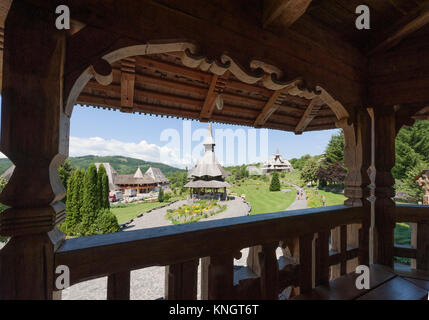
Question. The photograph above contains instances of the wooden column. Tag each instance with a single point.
(384, 205)
(217, 277)
(181, 281)
(118, 286)
(357, 159)
(34, 136)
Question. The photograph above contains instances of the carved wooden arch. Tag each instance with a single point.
(270, 76)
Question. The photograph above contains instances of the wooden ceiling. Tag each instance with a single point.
(160, 84)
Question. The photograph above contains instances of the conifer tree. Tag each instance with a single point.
(275, 182)
(104, 183)
(161, 195)
(77, 199)
(71, 188)
(91, 201)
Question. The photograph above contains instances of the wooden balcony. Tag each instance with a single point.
(320, 246)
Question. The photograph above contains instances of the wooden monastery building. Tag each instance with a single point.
(277, 163)
(151, 180)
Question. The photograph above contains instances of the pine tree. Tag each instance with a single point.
(77, 200)
(160, 195)
(91, 201)
(275, 182)
(104, 182)
(67, 226)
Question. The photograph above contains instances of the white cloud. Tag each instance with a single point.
(142, 150)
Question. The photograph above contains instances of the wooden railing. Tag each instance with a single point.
(312, 240)
(418, 251)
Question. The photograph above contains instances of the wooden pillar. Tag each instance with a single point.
(385, 133)
(34, 136)
(357, 159)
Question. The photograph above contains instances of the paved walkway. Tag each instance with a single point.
(148, 283)
(297, 204)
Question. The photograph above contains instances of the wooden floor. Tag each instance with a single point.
(385, 284)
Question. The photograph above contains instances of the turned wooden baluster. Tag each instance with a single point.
(181, 280)
(34, 135)
(118, 286)
(322, 258)
(217, 277)
(306, 260)
(269, 271)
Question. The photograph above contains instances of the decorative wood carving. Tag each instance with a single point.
(128, 76)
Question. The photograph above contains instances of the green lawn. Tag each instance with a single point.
(261, 199)
(131, 210)
(315, 200)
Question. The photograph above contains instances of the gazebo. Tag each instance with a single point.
(291, 65)
(208, 175)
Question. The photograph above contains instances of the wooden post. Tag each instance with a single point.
(34, 136)
(423, 245)
(385, 133)
(181, 281)
(217, 277)
(118, 286)
(357, 158)
(269, 271)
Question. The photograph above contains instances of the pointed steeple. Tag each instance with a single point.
(277, 152)
(209, 141)
(138, 173)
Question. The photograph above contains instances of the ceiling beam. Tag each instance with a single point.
(128, 77)
(270, 107)
(412, 22)
(288, 11)
(217, 85)
(309, 114)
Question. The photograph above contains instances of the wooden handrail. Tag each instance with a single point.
(411, 213)
(104, 255)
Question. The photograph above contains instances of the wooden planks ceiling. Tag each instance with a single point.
(163, 86)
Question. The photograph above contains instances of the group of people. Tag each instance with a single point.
(300, 194)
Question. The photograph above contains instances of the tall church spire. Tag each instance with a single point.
(209, 141)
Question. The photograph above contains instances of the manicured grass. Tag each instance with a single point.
(131, 210)
(261, 199)
(402, 235)
(332, 199)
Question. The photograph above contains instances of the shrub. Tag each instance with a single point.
(106, 222)
(161, 195)
(275, 182)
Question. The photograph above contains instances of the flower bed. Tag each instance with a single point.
(191, 213)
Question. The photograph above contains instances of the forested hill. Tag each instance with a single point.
(123, 165)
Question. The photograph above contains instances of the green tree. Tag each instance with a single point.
(106, 222)
(335, 149)
(309, 171)
(104, 187)
(91, 201)
(412, 148)
(275, 182)
(161, 195)
(65, 171)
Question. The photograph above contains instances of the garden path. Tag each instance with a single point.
(297, 204)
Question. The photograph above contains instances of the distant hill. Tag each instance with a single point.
(123, 165)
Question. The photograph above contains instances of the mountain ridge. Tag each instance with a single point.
(122, 165)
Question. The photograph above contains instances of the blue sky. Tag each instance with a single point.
(115, 129)
(178, 142)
